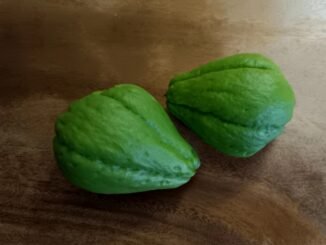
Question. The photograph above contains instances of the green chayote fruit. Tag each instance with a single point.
(121, 140)
(237, 104)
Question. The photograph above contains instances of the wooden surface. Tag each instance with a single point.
(55, 51)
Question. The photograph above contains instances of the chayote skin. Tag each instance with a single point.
(121, 140)
(237, 104)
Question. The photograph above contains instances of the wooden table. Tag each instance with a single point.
(55, 51)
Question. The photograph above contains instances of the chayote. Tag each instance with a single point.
(121, 140)
(237, 104)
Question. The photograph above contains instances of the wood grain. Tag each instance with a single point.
(55, 51)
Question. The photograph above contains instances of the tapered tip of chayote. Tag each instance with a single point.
(237, 104)
(121, 140)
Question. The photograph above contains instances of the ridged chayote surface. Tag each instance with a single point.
(121, 140)
(237, 104)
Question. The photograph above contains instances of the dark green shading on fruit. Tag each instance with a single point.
(237, 104)
(121, 141)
